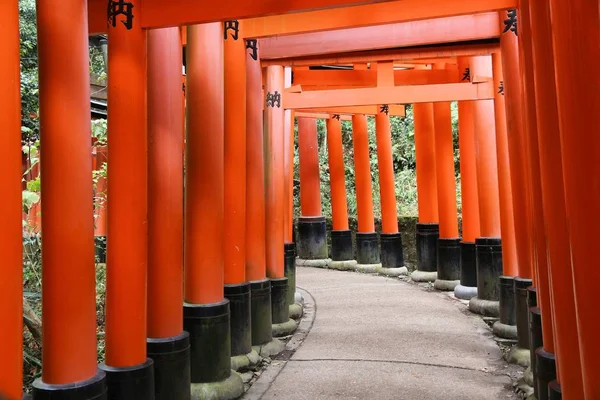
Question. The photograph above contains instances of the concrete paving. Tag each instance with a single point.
(381, 338)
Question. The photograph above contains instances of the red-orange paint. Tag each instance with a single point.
(507, 222)
(385, 161)
(204, 196)
(468, 168)
(485, 149)
(274, 174)
(362, 171)
(310, 181)
(337, 172)
(557, 230)
(533, 168)
(165, 184)
(444, 162)
(575, 33)
(68, 276)
(11, 280)
(235, 159)
(516, 148)
(289, 163)
(426, 163)
(255, 174)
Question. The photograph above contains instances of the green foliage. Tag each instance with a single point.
(100, 131)
(29, 71)
(403, 150)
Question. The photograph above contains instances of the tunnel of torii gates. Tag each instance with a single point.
(528, 121)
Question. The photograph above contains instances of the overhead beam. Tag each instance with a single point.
(368, 78)
(303, 114)
(389, 95)
(395, 110)
(368, 15)
(164, 13)
(415, 33)
(405, 54)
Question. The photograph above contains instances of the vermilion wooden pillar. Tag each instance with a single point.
(559, 255)
(367, 251)
(428, 226)
(391, 240)
(237, 290)
(575, 32)
(68, 276)
(275, 191)
(256, 273)
(506, 326)
(341, 235)
(470, 201)
(519, 183)
(312, 231)
(488, 246)
(127, 243)
(448, 251)
(288, 226)
(11, 276)
(545, 370)
(168, 345)
(206, 311)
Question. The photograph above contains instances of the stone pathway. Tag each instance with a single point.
(380, 338)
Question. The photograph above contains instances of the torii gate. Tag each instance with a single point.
(69, 320)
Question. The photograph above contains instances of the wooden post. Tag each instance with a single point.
(448, 257)
(575, 32)
(168, 345)
(206, 311)
(470, 201)
(428, 225)
(341, 235)
(366, 237)
(68, 275)
(275, 191)
(557, 231)
(237, 290)
(256, 272)
(11, 242)
(488, 246)
(312, 230)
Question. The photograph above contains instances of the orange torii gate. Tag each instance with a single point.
(68, 281)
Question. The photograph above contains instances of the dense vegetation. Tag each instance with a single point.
(403, 148)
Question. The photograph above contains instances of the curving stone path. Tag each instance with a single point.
(380, 338)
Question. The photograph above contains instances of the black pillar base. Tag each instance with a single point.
(546, 371)
(290, 271)
(427, 237)
(521, 311)
(260, 306)
(171, 358)
(448, 259)
(507, 300)
(239, 311)
(280, 311)
(489, 268)
(341, 246)
(312, 238)
(210, 340)
(468, 265)
(92, 389)
(127, 383)
(535, 342)
(391, 254)
(367, 248)
(554, 390)
(100, 246)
